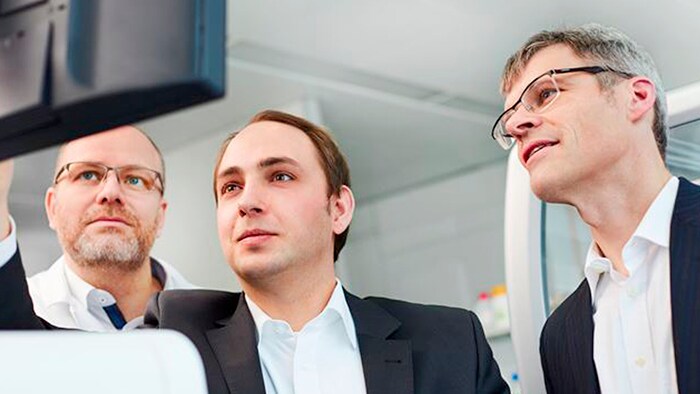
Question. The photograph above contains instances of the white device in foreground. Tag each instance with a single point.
(142, 361)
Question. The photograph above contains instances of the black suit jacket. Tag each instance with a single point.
(405, 348)
(566, 344)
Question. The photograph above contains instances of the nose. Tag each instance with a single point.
(250, 202)
(110, 190)
(521, 122)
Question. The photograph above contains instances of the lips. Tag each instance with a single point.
(108, 219)
(532, 148)
(253, 233)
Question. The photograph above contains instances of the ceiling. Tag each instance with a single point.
(409, 87)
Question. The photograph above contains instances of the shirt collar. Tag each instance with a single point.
(8, 246)
(80, 289)
(656, 224)
(336, 304)
(159, 272)
(655, 227)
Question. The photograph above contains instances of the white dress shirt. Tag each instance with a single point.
(324, 357)
(64, 299)
(633, 337)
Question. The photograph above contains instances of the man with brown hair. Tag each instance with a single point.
(284, 205)
(587, 111)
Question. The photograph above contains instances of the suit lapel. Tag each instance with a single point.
(235, 347)
(578, 323)
(387, 363)
(585, 346)
(685, 285)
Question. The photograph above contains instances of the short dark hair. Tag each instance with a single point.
(334, 164)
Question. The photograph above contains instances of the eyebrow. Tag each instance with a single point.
(271, 161)
(265, 163)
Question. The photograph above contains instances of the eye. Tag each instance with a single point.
(134, 181)
(540, 94)
(545, 93)
(87, 176)
(282, 177)
(230, 187)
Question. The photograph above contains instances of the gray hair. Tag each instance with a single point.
(608, 47)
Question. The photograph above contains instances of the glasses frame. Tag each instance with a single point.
(158, 186)
(587, 69)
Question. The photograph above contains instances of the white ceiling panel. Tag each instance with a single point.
(456, 46)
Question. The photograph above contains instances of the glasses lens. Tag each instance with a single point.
(541, 94)
(504, 139)
(86, 173)
(499, 132)
(138, 178)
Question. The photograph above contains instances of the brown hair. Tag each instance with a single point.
(335, 166)
(607, 47)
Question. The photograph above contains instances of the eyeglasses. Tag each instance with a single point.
(539, 95)
(131, 177)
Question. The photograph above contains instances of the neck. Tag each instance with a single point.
(293, 296)
(131, 289)
(614, 207)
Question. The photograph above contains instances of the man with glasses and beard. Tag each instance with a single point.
(106, 205)
(587, 111)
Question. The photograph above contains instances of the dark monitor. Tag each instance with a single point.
(69, 68)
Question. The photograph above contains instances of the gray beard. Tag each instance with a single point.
(109, 251)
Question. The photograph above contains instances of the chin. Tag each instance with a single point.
(547, 189)
(255, 268)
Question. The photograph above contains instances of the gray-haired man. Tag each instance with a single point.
(587, 111)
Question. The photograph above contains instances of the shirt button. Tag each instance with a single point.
(640, 361)
(631, 292)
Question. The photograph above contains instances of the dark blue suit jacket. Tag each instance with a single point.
(405, 348)
(566, 344)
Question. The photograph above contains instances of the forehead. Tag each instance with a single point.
(549, 58)
(263, 140)
(117, 147)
